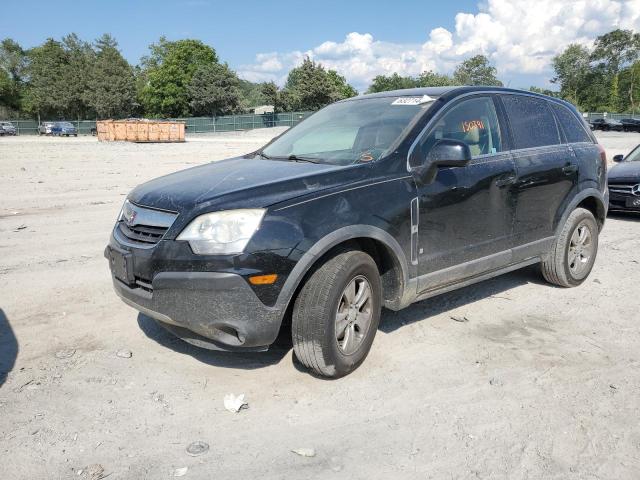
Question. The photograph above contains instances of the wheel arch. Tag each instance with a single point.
(591, 199)
(383, 248)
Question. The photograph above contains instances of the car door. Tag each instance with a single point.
(465, 214)
(546, 168)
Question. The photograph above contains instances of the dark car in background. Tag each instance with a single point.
(606, 125)
(624, 182)
(377, 201)
(630, 124)
(65, 129)
(8, 128)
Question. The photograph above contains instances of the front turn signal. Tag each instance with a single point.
(263, 279)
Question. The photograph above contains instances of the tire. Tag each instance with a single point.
(565, 267)
(322, 300)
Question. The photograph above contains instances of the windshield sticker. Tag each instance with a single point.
(472, 125)
(412, 100)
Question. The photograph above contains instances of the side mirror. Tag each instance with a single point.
(449, 153)
(618, 158)
(444, 153)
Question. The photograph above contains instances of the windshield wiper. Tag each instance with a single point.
(291, 158)
(295, 158)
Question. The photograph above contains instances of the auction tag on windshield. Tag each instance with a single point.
(412, 100)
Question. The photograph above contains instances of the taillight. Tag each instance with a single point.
(603, 157)
(602, 169)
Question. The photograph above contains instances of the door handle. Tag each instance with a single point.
(569, 169)
(504, 181)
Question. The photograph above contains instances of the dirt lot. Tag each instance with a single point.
(540, 382)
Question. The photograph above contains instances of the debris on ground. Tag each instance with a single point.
(20, 227)
(305, 452)
(458, 318)
(197, 448)
(65, 353)
(496, 382)
(92, 472)
(180, 472)
(124, 353)
(234, 404)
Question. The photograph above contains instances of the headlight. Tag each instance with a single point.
(222, 233)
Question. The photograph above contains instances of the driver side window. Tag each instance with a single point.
(474, 122)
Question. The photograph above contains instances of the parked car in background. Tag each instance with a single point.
(8, 128)
(379, 200)
(624, 182)
(606, 124)
(45, 128)
(630, 124)
(65, 129)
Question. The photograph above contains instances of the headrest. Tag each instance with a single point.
(472, 136)
(387, 134)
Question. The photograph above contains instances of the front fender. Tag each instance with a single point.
(341, 235)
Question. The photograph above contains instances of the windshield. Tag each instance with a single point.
(634, 156)
(66, 124)
(355, 131)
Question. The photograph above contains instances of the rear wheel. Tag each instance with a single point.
(574, 252)
(336, 314)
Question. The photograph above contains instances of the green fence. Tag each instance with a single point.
(227, 123)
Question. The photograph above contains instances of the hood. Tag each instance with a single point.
(238, 183)
(625, 171)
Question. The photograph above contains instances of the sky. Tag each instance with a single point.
(262, 40)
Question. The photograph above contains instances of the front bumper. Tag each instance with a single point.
(620, 202)
(215, 310)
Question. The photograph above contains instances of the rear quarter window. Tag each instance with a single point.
(531, 120)
(573, 128)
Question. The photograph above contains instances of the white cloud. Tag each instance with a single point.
(519, 36)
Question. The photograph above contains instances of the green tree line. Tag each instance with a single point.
(72, 78)
(604, 77)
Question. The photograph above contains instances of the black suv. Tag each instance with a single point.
(376, 201)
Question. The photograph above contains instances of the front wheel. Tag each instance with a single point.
(336, 314)
(574, 252)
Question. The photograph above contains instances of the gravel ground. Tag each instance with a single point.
(540, 382)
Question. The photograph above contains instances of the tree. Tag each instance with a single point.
(168, 72)
(343, 89)
(311, 87)
(76, 70)
(476, 71)
(545, 91)
(616, 49)
(384, 83)
(272, 95)
(46, 72)
(111, 86)
(572, 68)
(430, 78)
(13, 62)
(214, 90)
(251, 94)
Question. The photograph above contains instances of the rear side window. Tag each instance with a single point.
(572, 127)
(532, 122)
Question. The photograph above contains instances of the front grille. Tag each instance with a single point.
(145, 234)
(622, 188)
(142, 227)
